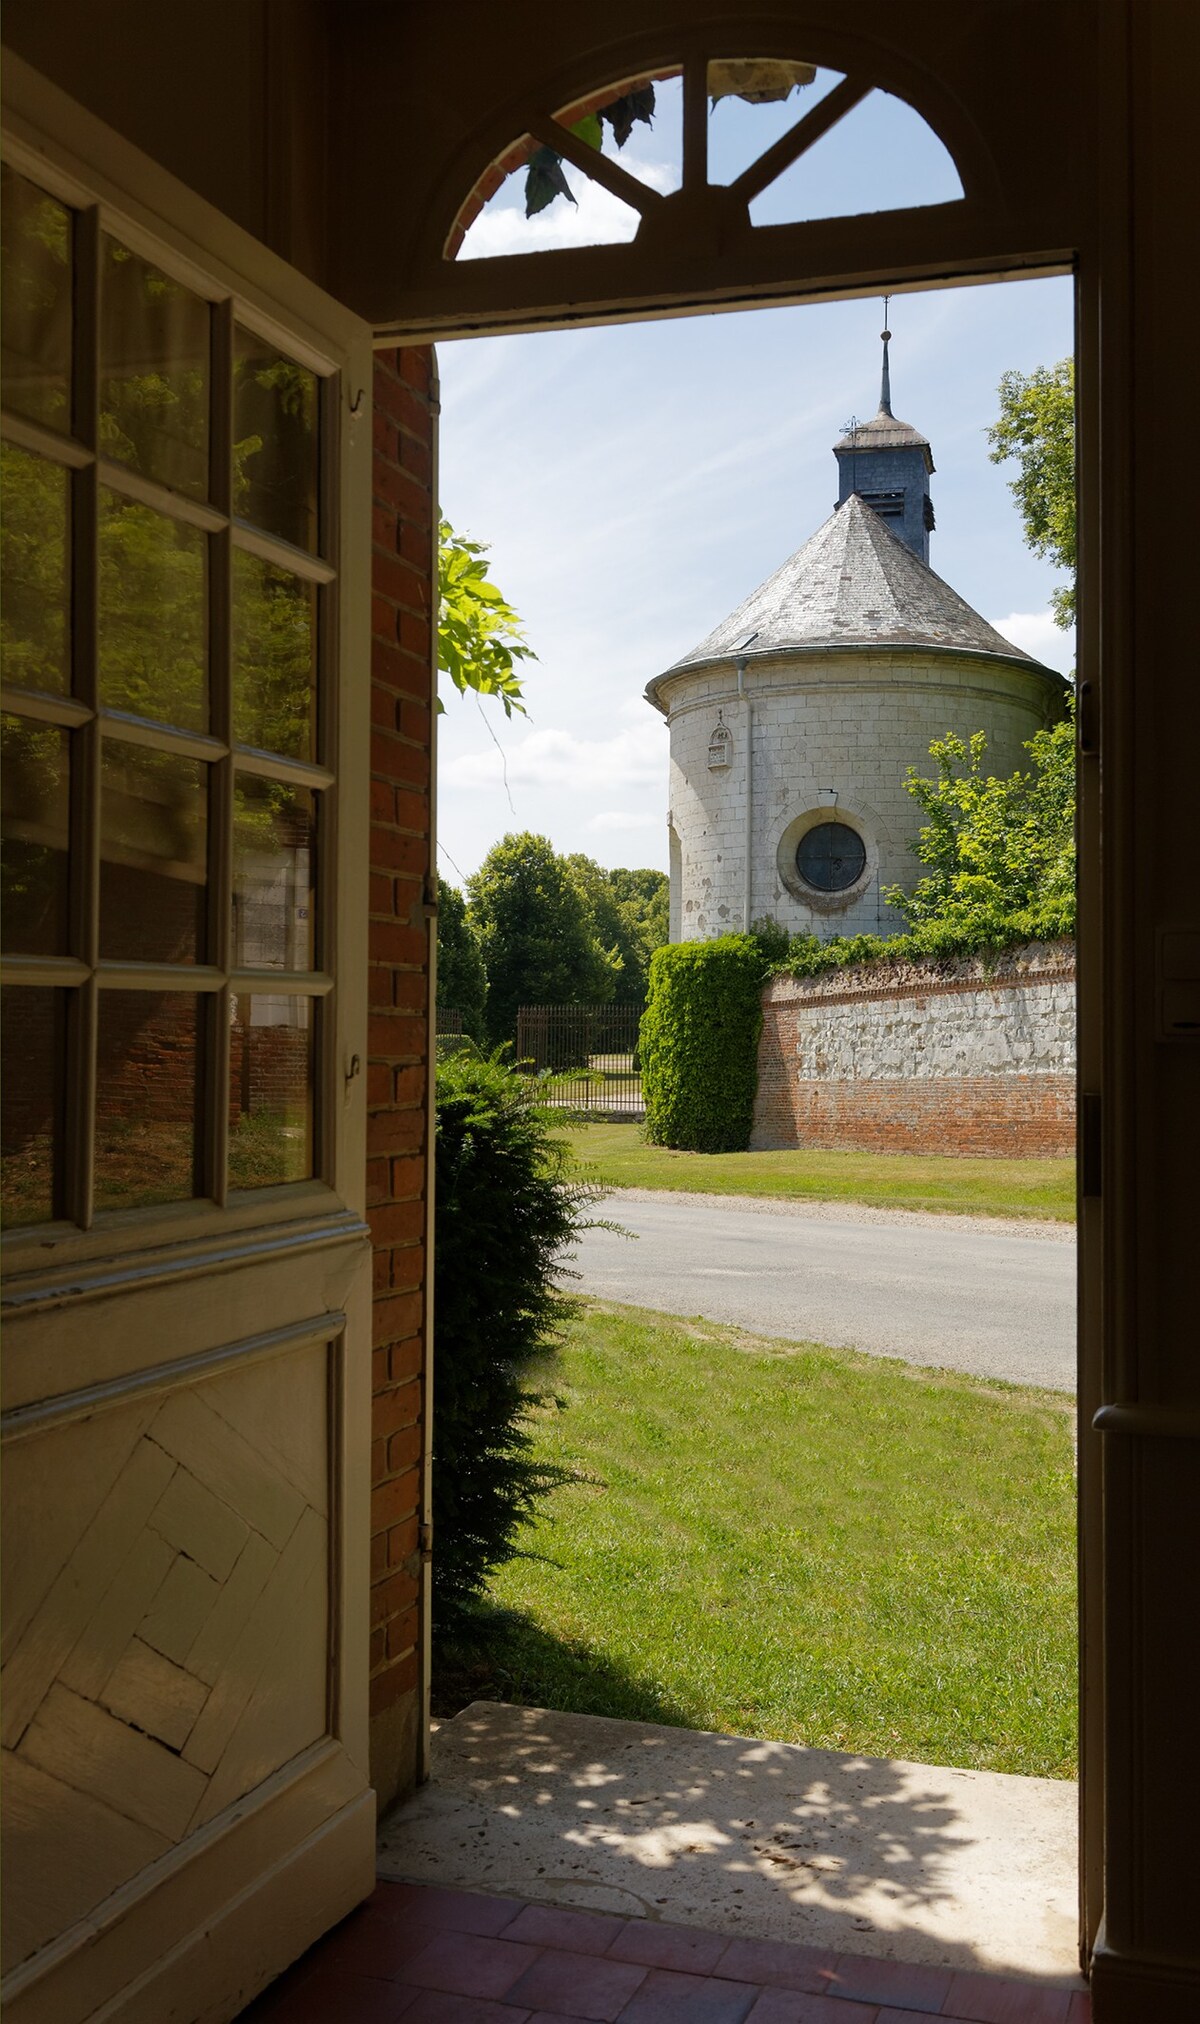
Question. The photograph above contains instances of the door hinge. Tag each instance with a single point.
(1087, 719)
(425, 1541)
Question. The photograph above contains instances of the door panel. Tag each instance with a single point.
(186, 1409)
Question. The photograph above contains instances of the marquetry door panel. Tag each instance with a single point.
(186, 1383)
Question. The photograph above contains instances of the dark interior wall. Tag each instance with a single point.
(213, 93)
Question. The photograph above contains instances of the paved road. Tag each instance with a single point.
(946, 1291)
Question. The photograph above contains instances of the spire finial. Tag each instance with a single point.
(885, 388)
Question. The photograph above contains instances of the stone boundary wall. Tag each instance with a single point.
(957, 1057)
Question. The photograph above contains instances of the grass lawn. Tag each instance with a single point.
(794, 1542)
(617, 1156)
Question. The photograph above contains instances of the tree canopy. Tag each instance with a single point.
(461, 977)
(1037, 427)
(539, 944)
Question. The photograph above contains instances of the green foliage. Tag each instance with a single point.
(627, 914)
(1037, 427)
(479, 634)
(505, 1210)
(1000, 852)
(539, 947)
(1000, 855)
(545, 177)
(461, 977)
(699, 1043)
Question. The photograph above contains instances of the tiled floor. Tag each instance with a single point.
(458, 1957)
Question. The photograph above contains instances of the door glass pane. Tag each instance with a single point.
(154, 371)
(273, 835)
(146, 1099)
(274, 658)
(153, 850)
(34, 800)
(153, 628)
(35, 286)
(34, 558)
(271, 1090)
(31, 1026)
(274, 441)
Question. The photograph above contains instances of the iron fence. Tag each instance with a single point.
(586, 1056)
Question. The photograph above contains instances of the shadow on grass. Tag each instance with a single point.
(493, 1654)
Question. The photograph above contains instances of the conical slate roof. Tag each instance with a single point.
(884, 432)
(853, 584)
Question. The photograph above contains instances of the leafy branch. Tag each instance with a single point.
(480, 639)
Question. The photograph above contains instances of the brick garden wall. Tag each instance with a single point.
(923, 1058)
(398, 1040)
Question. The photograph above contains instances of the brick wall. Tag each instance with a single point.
(398, 1040)
(923, 1058)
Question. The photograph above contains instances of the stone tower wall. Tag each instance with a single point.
(853, 721)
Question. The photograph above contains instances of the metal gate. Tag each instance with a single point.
(585, 1056)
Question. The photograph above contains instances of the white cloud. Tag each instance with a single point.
(624, 818)
(558, 759)
(596, 218)
(1036, 633)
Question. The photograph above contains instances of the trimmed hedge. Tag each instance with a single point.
(506, 1210)
(699, 1043)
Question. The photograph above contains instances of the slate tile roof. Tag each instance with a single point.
(852, 584)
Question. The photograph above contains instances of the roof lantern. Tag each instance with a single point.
(888, 464)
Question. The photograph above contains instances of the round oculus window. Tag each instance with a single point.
(831, 857)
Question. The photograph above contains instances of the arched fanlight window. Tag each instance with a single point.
(720, 746)
(691, 152)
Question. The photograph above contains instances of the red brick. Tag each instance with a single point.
(416, 457)
(413, 632)
(394, 1596)
(376, 1649)
(381, 1181)
(385, 708)
(402, 1538)
(401, 582)
(378, 1555)
(407, 1267)
(412, 364)
(397, 1222)
(393, 1501)
(383, 806)
(405, 1359)
(412, 810)
(392, 852)
(409, 1083)
(394, 1684)
(403, 1449)
(415, 544)
(384, 527)
(407, 1178)
(410, 993)
(381, 1272)
(414, 721)
(400, 1407)
(383, 624)
(392, 1037)
(396, 1317)
(401, 1634)
(396, 942)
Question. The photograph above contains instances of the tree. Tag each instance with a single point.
(1037, 427)
(479, 634)
(461, 977)
(538, 944)
(1000, 852)
(628, 913)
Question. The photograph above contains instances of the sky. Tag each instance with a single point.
(635, 483)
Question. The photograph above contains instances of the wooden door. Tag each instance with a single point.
(186, 1382)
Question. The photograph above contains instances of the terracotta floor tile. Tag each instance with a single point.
(467, 1964)
(578, 1985)
(904, 1985)
(799, 2006)
(684, 1948)
(370, 1942)
(572, 1932)
(668, 1998)
(333, 1996)
(778, 1965)
(458, 1911)
(436, 2006)
(992, 1999)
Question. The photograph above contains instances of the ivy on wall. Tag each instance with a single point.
(699, 1043)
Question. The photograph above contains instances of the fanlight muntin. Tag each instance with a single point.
(689, 159)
